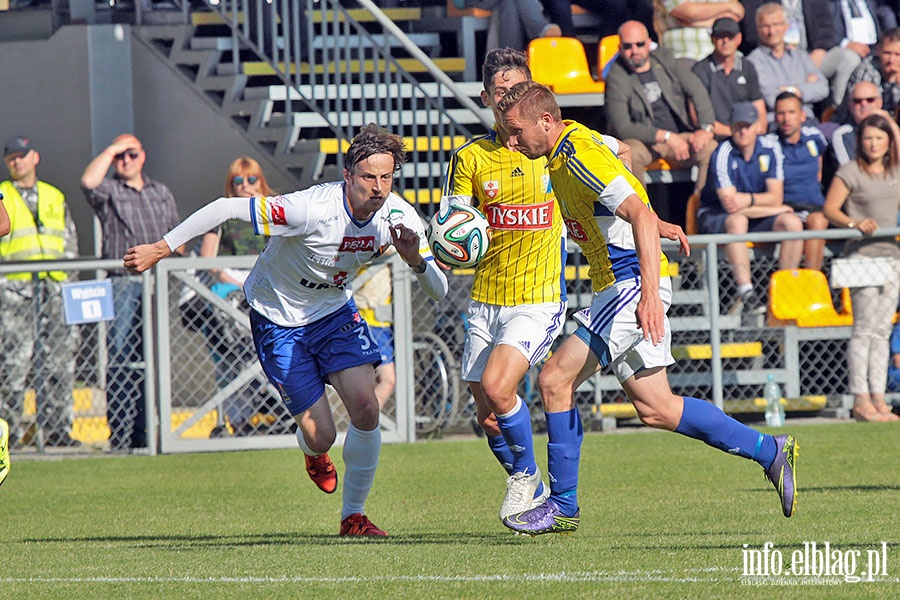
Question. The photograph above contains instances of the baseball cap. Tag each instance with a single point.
(20, 143)
(725, 25)
(744, 112)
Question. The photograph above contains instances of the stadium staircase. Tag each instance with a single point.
(302, 104)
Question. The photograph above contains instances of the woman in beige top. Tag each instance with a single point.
(865, 195)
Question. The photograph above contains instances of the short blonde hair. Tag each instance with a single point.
(535, 99)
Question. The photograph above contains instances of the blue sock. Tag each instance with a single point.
(564, 432)
(501, 452)
(701, 420)
(516, 429)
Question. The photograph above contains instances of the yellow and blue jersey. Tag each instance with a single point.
(524, 261)
(590, 183)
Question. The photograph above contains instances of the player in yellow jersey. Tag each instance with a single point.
(606, 211)
(518, 304)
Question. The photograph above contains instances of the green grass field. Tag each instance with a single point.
(662, 517)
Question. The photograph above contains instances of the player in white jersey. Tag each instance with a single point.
(306, 328)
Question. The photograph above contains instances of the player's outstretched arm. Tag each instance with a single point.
(140, 258)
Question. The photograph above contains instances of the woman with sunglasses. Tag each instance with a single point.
(864, 195)
(230, 353)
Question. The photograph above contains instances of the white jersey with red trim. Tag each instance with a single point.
(316, 250)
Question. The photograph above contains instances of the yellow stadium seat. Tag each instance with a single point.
(804, 297)
(690, 217)
(561, 64)
(606, 51)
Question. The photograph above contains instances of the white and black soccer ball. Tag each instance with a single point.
(458, 235)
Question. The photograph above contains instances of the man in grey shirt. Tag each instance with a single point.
(782, 68)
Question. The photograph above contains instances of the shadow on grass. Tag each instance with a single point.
(500, 538)
(838, 488)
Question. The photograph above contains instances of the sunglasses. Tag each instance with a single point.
(132, 154)
(629, 46)
(866, 100)
(238, 180)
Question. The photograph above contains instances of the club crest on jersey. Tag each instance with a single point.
(278, 217)
(491, 189)
(575, 230)
(545, 184)
(357, 244)
(811, 146)
(764, 162)
(522, 217)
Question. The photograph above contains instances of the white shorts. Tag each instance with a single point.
(611, 325)
(530, 328)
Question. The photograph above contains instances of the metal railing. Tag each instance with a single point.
(184, 401)
(334, 66)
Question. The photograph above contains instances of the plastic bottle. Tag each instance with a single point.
(774, 409)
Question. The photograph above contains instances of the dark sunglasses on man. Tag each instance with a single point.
(630, 45)
(132, 154)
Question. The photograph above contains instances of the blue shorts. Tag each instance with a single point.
(714, 222)
(384, 337)
(297, 360)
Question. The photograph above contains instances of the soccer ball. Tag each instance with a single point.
(458, 236)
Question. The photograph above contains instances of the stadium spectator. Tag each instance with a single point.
(4, 426)
(729, 77)
(372, 292)
(745, 193)
(863, 196)
(783, 68)
(513, 23)
(305, 324)
(612, 13)
(865, 99)
(859, 27)
(882, 69)
(132, 209)
(626, 325)
(683, 25)
(802, 146)
(36, 341)
(810, 27)
(229, 345)
(650, 102)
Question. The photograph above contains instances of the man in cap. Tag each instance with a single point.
(729, 77)
(745, 193)
(34, 334)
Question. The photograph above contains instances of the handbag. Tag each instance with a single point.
(863, 271)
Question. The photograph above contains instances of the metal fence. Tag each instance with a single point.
(188, 378)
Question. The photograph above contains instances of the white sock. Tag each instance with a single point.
(743, 289)
(301, 441)
(361, 450)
